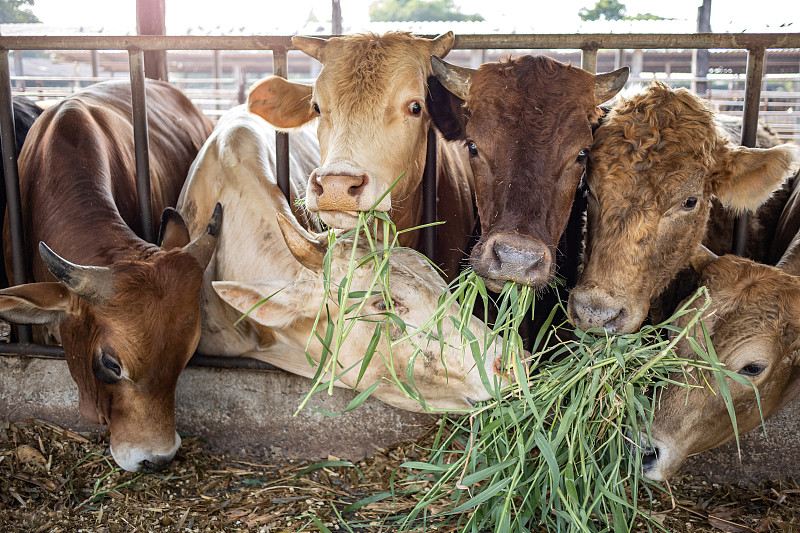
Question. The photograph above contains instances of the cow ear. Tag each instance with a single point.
(447, 111)
(274, 304)
(282, 103)
(745, 177)
(34, 303)
(173, 232)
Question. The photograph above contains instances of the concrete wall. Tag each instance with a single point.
(238, 411)
(252, 412)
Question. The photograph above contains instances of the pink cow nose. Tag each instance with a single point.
(339, 192)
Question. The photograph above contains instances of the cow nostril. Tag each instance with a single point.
(154, 466)
(649, 457)
(358, 184)
(316, 185)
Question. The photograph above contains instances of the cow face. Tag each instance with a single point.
(127, 331)
(446, 378)
(657, 161)
(373, 122)
(754, 326)
(527, 124)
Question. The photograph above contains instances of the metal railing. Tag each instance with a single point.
(589, 44)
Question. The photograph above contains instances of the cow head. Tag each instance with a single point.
(373, 121)
(657, 161)
(127, 330)
(527, 124)
(446, 378)
(754, 325)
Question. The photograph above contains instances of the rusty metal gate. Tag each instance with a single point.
(755, 44)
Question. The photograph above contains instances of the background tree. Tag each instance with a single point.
(613, 10)
(417, 10)
(11, 11)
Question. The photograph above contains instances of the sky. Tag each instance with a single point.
(290, 16)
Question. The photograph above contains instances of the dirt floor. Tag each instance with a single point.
(54, 480)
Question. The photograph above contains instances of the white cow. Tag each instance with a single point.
(236, 168)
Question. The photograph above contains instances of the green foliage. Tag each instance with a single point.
(417, 10)
(613, 10)
(11, 11)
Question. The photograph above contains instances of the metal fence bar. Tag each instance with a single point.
(477, 41)
(752, 90)
(280, 66)
(429, 198)
(9, 144)
(141, 143)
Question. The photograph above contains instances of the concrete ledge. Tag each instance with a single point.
(252, 412)
(238, 411)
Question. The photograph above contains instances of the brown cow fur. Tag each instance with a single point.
(657, 162)
(754, 325)
(78, 192)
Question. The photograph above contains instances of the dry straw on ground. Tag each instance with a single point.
(54, 480)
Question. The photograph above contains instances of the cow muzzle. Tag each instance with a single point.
(134, 457)
(511, 257)
(339, 191)
(597, 308)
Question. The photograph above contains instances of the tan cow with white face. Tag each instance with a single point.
(373, 119)
(657, 161)
(259, 255)
(754, 325)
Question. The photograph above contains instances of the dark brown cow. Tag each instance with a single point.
(657, 161)
(527, 123)
(373, 119)
(754, 325)
(126, 311)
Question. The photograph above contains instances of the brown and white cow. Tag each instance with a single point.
(126, 311)
(754, 325)
(370, 100)
(527, 123)
(260, 256)
(657, 161)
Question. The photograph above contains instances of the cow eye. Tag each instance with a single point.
(473, 150)
(689, 204)
(414, 108)
(752, 370)
(380, 305)
(316, 108)
(107, 368)
(583, 155)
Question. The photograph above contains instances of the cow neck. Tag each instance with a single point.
(407, 213)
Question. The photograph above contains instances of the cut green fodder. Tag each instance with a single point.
(557, 452)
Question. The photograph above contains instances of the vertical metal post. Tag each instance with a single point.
(9, 144)
(429, 198)
(217, 76)
(589, 59)
(752, 95)
(95, 64)
(280, 68)
(19, 70)
(141, 143)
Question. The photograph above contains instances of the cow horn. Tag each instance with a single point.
(309, 251)
(455, 79)
(202, 247)
(92, 283)
(441, 45)
(702, 258)
(310, 45)
(609, 84)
